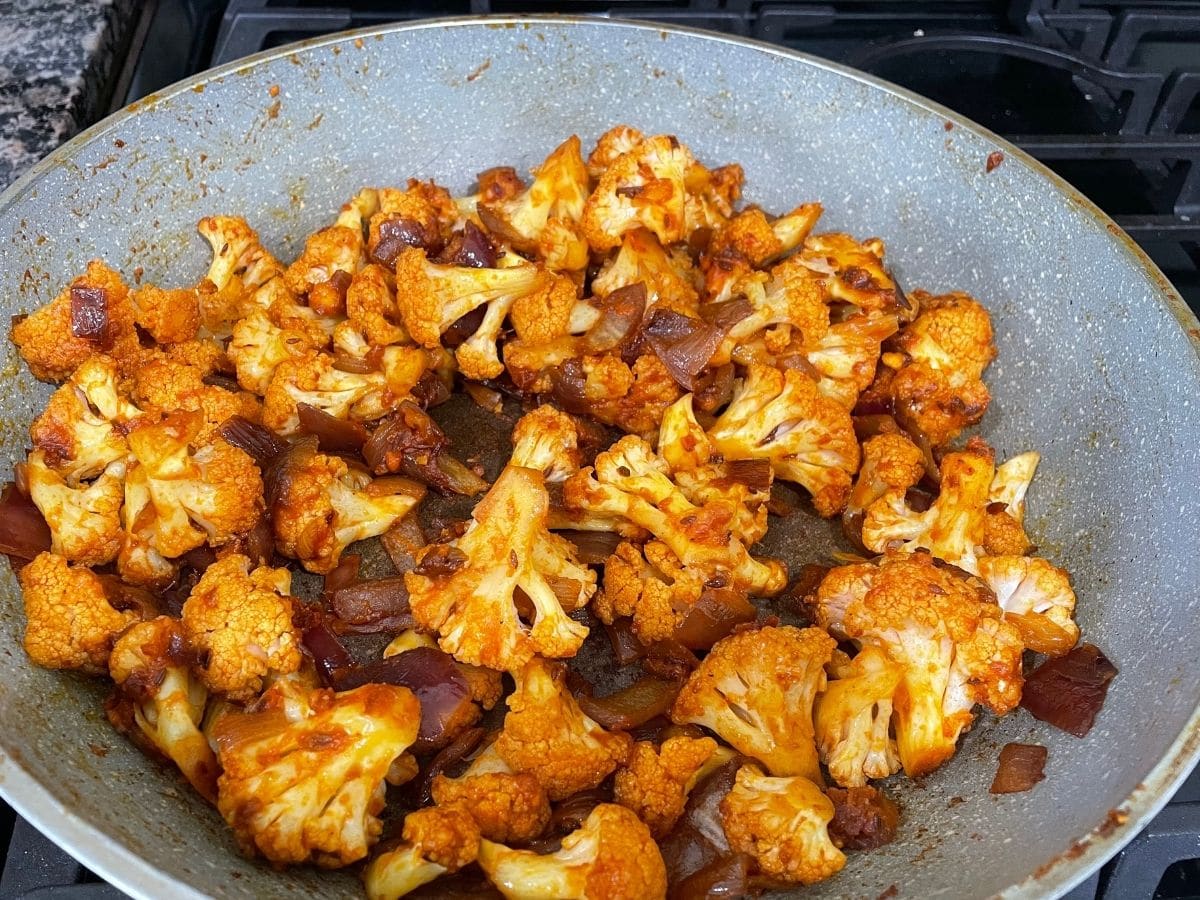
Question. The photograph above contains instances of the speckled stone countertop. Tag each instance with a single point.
(57, 62)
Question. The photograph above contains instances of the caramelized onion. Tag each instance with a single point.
(409, 442)
(863, 818)
(397, 232)
(754, 473)
(485, 398)
(874, 424)
(625, 645)
(568, 386)
(23, 532)
(225, 382)
(620, 315)
(683, 344)
(447, 759)
(1069, 691)
(123, 596)
(592, 548)
(379, 604)
(463, 328)
(726, 314)
(402, 541)
(431, 675)
(698, 838)
(430, 391)
(344, 574)
(260, 442)
(726, 877)
(355, 365)
(713, 616)
(571, 813)
(1021, 767)
(714, 388)
(440, 561)
(475, 250)
(331, 432)
(669, 659)
(89, 316)
(633, 706)
(328, 653)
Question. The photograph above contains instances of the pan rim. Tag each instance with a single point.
(128, 872)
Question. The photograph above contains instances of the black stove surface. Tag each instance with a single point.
(1115, 110)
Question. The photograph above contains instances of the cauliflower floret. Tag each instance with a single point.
(651, 586)
(69, 623)
(611, 145)
(853, 272)
(547, 735)
(611, 856)
(338, 248)
(258, 346)
(165, 386)
(422, 215)
(890, 462)
(312, 378)
(756, 690)
(945, 632)
(92, 315)
(506, 547)
(854, 718)
(952, 529)
(433, 297)
(711, 194)
(169, 316)
(845, 358)
(149, 664)
(436, 841)
(320, 506)
(371, 306)
(305, 782)
(180, 493)
(631, 481)
(809, 439)
(1037, 597)
(550, 312)
(791, 297)
(240, 266)
(643, 188)
(656, 781)
(758, 241)
(547, 440)
(668, 276)
(937, 390)
(509, 807)
(783, 823)
(1003, 531)
(544, 218)
(84, 520)
(241, 621)
(81, 430)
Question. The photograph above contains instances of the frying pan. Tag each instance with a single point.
(1098, 369)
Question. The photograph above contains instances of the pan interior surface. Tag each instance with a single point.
(1094, 371)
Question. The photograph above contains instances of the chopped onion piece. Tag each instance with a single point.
(1068, 691)
(1021, 767)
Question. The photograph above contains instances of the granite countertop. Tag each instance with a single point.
(58, 61)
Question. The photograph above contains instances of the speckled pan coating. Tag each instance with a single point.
(1097, 370)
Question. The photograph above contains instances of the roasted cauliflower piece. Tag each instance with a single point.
(651, 586)
(547, 440)
(320, 506)
(547, 735)
(304, 781)
(808, 438)
(853, 272)
(163, 386)
(84, 520)
(168, 316)
(1037, 597)
(470, 600)
(710, 195)
(656, 781)
(240, 266)
(752, 237)
(756, 690)
(371, 307)
(667, 275)
(784, 824)
(945, 632)
(156, 688)
(257, 347)
(240, 620)
(340, 248)
(437, 840)
(421, 215)
(854, 717)
(69, 622)
(1004, 528)
(92, 315)
(790, 299)
(629, 480)
(614, 143)
(642, 188)
(844, 359)
(509, 807)
(890, 462)
(611, 856)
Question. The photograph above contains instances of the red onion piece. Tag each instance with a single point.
(713, 616)
(409, 442)
(714, 388)
(446, 760)
(379, 602)
(440, 561)
(123, 596)
(874, 424)
(89, 316)
(620, 314)
(397, 232)
(476, 250)
(463, 328)
(698, 838)
(430, 391)
(1021, 767)
(328, 653)
(571, 813)
(626, 647)
(726, 314)
(685, 345)
(331, 432)
(23, 531)
(344, 574)
(863, 818)
(355, 365)
(225, 382)
(670, 659)
(754, 473)
(633, 706)
(486, 398)
(261, 443)
(568, 387)
(726, 877)
(592, 548)
(1068, 691)
(403, 541)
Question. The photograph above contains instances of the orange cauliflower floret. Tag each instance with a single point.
(92, 315)
(547, 440)
(666, 274)
(651, 586)
(422, 215)
(371, 306)
(547, 735)
(845, 358)
(947, 635)
(642, 188)
(258, 346)
(656, 781)
(611, 856)
(630, 481)
(241, 621)
(166, 386)
(168, 316)
(149, 665)
(436, 841)
(84, 520)
(470, 600)
(614, 143)
(320, 506)
(1037, 597)
(1004, 531)
(854, 717)
(937, 390)
(69, 622)
(82, 429)
(432, 297)
(509, 807)
(338, 248)
(853, 272)
(751, 236)
(711, 194)
(789, 299)
(240, 266)
(548, 313)
(783, 823)
(756, 690)
(808, 438)
(890, 462)
(303, 781)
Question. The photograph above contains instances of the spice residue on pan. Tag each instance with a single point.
(993, 160)
(480, 69)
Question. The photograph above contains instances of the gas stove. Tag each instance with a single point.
(1105, 92)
